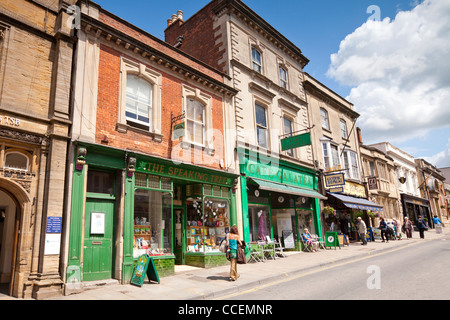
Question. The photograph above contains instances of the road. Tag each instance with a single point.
(417, 272)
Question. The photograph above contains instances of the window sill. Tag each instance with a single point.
(124, 128)
(187, 145)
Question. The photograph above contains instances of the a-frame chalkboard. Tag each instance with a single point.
(144, 266)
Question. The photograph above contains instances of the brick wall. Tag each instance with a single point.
(171, 101)
(200, 36)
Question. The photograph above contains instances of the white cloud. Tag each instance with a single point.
(441, 159)
(400, 73)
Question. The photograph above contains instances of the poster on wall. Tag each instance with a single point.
(52, 243)
(97, 223)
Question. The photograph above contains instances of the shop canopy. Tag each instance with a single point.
(357, 203)
(284, 188)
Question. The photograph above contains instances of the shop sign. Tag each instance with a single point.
(178, 131)
(144, 266)
(296, 141)
(334, 180)
(9, 121)
(372, 183)
(279, 174)
(173, 171)
(354, 189)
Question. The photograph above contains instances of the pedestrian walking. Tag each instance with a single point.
(420, 223)
(437, 224)
(233, 242)
(407, 228)
(362, 229)
(383, 228)
(398, 232)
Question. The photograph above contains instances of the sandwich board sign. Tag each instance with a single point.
(332, 240)
(144, 266)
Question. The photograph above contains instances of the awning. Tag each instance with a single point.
(357, 203)
(284, 188)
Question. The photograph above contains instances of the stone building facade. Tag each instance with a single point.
(36, 50)
(267, 70)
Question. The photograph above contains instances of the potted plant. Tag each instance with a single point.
(330, 211)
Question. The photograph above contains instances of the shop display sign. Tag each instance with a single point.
(331, 239)
(334, 180)
(144, 266)
(97, 223)
(279, 174)
(296, 141)
(288, 237)
(372, 183)
(174, 171)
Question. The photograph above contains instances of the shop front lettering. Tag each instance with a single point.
(172, 171)
(278, 175)
(9, 121)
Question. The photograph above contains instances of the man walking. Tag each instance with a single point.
(362, 229)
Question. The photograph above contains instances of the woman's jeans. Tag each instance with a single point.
(384, 234)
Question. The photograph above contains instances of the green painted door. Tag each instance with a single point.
(98, 239)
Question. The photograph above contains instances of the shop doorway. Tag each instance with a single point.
(9, 223)
(98, 253)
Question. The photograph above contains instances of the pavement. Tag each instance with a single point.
(190, 283)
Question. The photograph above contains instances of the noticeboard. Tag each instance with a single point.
(144, 266)
(288, 238)
(332, 240)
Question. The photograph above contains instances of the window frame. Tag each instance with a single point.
(265, 128)
(344, 130)
(328, 157)
(284, 82)
(196, 122)
(9, 152)
(257, 64)
(290, 152)
(353, 171)
(324, 112)
(149, 105)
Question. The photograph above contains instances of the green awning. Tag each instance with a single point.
(284, 188)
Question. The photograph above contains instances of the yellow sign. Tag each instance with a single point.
(354, 189)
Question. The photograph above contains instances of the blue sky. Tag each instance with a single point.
(393, 70)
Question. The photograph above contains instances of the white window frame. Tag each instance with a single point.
(344, 131)
(257, 66)
(206, 100)
(284, 82)
(285, 117)
(324, 112)
(148, 104)
(350, 160)
(327, 154)
(196, 122)
(151, 76)
(266, 127)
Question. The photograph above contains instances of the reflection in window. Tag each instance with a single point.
(152, 223)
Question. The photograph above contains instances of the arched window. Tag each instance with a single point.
(139, 101)
(324, 117)
(16, 160)
(256, 60)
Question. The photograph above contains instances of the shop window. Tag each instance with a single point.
(208, 222)
(16, 161)
(139, 102)
(152, 223)
(261, 126)
(100, 182)
(259, 220)
(305, 220)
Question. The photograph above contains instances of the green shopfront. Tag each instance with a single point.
(279, 200)
(125, 205)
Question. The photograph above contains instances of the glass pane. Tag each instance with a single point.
(198, 133)
(335, 156)
(287, 126)
(152, 223)
(16, 161)
(190, 131)
(261, 136)
(100, 182)
(259, 222)
(260, 115)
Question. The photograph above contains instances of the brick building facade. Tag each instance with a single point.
(147, 157)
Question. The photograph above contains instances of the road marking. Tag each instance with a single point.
(320, 269)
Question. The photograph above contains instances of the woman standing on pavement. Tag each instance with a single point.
(407, 228)
(233, 241)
